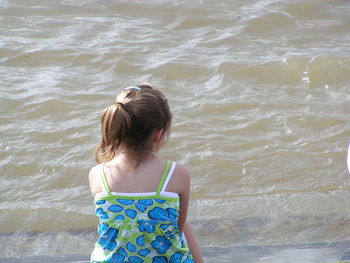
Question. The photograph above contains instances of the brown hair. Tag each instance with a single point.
(131, 121)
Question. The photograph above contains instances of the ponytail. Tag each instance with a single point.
(115, 124)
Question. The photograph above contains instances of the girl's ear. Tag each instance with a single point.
(158, 135)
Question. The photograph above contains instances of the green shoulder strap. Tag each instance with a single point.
(104, 180)
(164, 176)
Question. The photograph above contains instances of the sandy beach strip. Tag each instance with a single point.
(336, 252)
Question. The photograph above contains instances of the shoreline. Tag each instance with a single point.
(336, 252)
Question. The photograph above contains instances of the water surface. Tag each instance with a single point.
(259, 90)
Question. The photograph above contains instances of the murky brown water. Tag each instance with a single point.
(260, 93)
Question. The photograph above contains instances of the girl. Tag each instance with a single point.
(141, 200)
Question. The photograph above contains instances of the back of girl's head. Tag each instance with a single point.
(130, 121)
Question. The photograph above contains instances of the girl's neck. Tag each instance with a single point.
(137, 152)
(131, 158)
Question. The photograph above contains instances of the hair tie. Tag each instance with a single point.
(121, 104)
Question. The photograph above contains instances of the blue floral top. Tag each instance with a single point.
(137, 228)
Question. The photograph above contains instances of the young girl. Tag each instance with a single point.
(141, 200)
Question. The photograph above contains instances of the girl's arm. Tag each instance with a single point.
(182, 183)
(192, 243)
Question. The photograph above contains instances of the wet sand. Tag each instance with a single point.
(310, 253)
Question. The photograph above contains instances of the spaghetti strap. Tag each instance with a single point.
(164, 176)
(105, 185)
(170, 173)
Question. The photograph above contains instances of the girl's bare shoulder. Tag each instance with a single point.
(94, 179)
(181, 171)
(94, 171)
(180, 180)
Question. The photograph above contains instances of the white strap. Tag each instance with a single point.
(171, 171)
